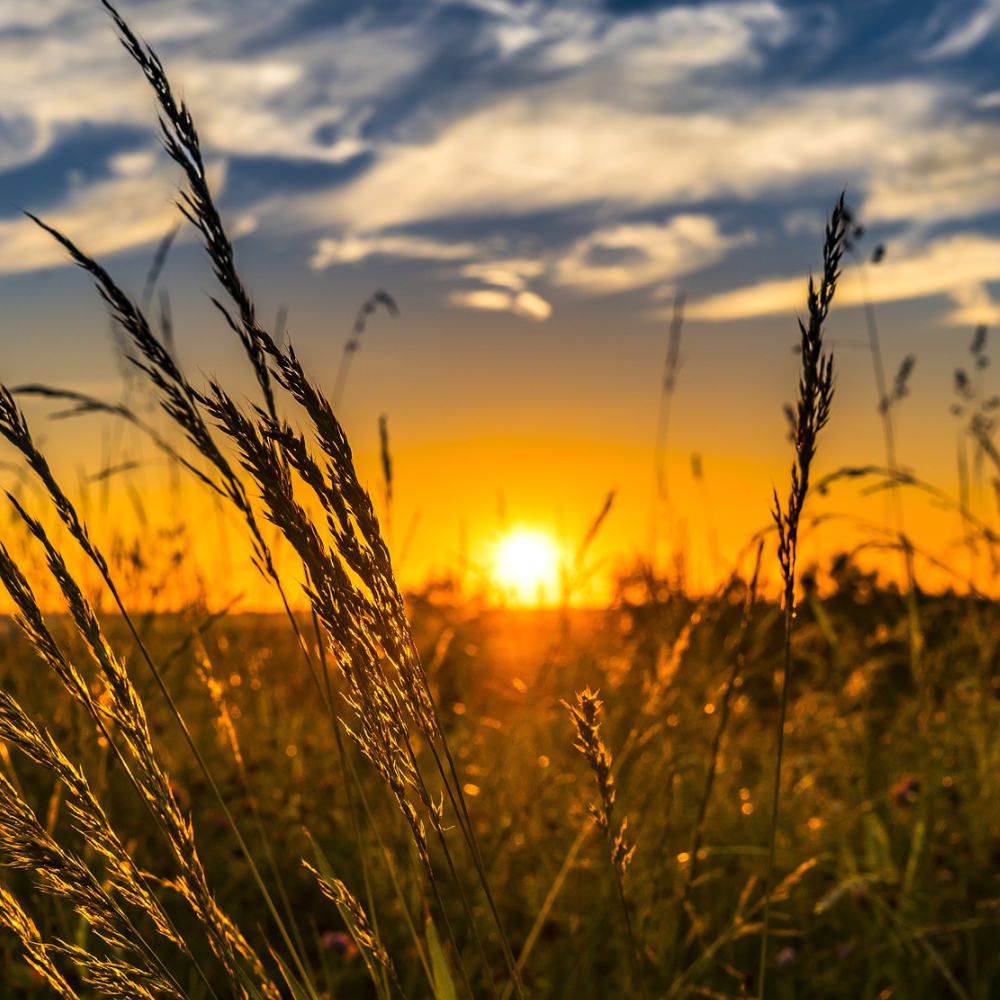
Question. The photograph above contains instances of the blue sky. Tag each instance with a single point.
(550, 174)
(526, 152)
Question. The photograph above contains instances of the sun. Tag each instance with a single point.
(526, 567)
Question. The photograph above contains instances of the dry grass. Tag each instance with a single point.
(449, 886)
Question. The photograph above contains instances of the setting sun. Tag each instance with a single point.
(526, 567)
(552, 504)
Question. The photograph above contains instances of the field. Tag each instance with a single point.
(435, 795)
(888, 854)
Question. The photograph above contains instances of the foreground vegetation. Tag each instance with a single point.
(888, 845)
(372, 796)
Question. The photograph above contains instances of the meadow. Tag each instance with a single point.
(373, 794)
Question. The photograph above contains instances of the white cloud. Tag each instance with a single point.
(633, 255)
(966, 36)
(61, 72)
(626, 113)
(948, 170)
(509, 278)
(958, 266)
(128, 210)
(540, 151)
(531, 305)
(803, 222)
(70, 71)
(19, 15)
(672, 42)
(640, 49)
(611, 259)
(974, 305)
(526, 304)
(489, 299)
(134, 163)
(356, 247)
(513, 274)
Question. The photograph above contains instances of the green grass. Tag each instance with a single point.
(906, 877)
(377, 796)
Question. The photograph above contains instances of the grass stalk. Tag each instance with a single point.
(586, 718)
(661, 498)
(698, 830)
(885, 405)
(812, 413)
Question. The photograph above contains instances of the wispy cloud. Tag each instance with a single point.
(304, 96)
(129, 209)
(544, 151)
(512, 273)
(526, 304)
(633, 255)
(643, 48)
(947, 170)
(959, 267)
(355, 247)
(967, 34)
(634, 135)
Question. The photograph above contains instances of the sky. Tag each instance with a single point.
(534, 183)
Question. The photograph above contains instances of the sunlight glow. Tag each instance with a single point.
(526, 567)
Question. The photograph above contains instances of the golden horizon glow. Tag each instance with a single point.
(458, 536)
(526, 567)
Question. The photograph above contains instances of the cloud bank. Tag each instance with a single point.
(524, 151)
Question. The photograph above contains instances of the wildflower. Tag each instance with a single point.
(905, 790)
(341, 943)
(786, 958)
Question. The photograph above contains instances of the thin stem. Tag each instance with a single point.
(342, 757)
(888, 434)
(713, 761)
(203, 766)
(458, 884)
(468, 829)
(633, 946)
(776, 795)
(661, 497)
(373, 824)
(811, 416)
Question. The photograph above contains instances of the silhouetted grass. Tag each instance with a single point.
(386, 800)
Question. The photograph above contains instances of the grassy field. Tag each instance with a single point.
(888, 847)
(719, 795)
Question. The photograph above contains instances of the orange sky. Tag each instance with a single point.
(495, 427)
(456, 502)
(534, 186)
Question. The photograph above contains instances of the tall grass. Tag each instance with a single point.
(358, 610)
(457, 881)
(811, 415)
(886, 401)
